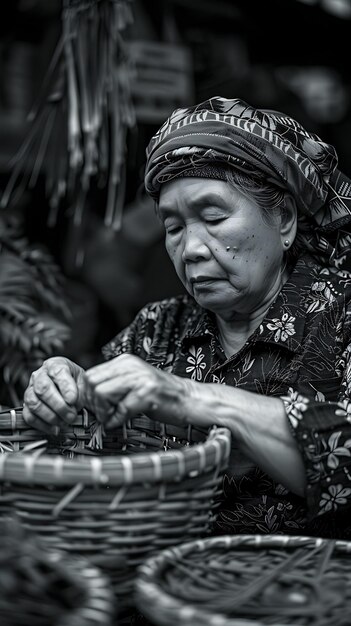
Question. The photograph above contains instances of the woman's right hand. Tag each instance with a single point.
(54, 395)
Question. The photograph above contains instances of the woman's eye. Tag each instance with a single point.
(214, 220)
(173, 230)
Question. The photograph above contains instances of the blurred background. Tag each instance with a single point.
(289, 55)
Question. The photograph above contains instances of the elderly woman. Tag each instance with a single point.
(256, 216)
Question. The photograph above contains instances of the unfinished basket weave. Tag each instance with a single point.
(114, 498)
(248, 580)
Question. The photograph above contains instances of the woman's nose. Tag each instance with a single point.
(195, 248)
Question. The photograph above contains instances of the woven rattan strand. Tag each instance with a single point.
(43, 588)
(248, 580)
(114, 497)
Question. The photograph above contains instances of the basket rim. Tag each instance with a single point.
(99, 602)
(97, 605)
(148, 593)
(35, 467)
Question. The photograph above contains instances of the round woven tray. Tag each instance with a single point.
(248, 580)
(40, 587)
(116, 497)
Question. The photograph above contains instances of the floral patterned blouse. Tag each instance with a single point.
(301, 352)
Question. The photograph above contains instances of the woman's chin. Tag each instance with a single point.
(213, 302)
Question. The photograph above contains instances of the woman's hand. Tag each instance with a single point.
(258, 423)
(133, 386)
(127, 385)
(54, 395)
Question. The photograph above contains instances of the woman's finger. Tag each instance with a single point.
(114, 390)
(118, 418)
(59, 371)
(120, 365)
(38, 424)
(45, 400)
(37, 415)
(144, 387)
(103, 371)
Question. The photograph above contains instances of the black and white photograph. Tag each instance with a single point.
(175, 313)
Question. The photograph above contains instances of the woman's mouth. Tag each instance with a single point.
(199, 282)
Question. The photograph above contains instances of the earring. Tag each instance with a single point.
(286, 243)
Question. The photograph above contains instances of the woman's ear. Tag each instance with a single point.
(288, 224)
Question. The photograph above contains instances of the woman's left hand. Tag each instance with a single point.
(133, 386)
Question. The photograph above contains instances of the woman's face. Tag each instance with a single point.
(227, 256)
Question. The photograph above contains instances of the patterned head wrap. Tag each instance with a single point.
(265, 145)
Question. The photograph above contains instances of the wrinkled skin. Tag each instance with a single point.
(115, 391)
(214, 232)
(230, 260)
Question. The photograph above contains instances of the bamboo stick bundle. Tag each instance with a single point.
(78, 125)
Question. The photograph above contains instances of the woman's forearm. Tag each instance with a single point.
(258, 424)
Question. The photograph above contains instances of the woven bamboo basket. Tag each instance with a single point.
(114, 498)
(39, 587)
(248, 580)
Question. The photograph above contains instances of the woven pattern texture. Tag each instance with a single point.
(248, 580)
(115, 497)
(40, 587)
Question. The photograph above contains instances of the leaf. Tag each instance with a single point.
(341, 451)
(32, 320)
(332, 461)
(247, 363)
(319, 397)
(316, 306)
(262, 528)
(333, 440)
(270, 519)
